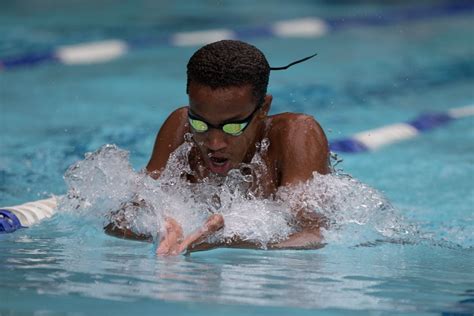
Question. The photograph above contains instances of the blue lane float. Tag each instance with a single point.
(374, 139)
(9, 222)
(308, 27)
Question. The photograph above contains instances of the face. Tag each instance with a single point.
(220, 151)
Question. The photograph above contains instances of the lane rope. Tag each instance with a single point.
(25, 215)
(307, 27)
(374, 139)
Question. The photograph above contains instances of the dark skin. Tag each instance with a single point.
(298, 147)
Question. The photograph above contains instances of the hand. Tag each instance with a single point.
(173, 243)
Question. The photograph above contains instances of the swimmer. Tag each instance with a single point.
(227, 117)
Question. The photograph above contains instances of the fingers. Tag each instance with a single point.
(172, 243)
(191, 239)
(212, 224)
(173, 235)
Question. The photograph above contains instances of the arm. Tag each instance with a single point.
(170, 137)
(307, 151)
(118, 226)
(116, 231)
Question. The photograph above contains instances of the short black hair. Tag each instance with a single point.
(229, 63)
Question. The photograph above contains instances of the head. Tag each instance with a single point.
(227, 82)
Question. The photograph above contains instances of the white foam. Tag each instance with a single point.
(356, 212)
(104, 181)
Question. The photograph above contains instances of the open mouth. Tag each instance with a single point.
(219, 165)
(219, 161)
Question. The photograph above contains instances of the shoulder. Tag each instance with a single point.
(170, 137)
(179, 115)
(175, 126)
(299, 145)
(287, 126)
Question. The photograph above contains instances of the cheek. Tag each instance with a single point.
(239, 146)
(199, 140)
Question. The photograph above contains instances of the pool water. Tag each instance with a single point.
(365, 76)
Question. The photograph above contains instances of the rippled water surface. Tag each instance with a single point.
(79, 264)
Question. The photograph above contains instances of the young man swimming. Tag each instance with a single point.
(228, 117)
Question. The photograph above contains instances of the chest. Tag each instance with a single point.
(265, 176)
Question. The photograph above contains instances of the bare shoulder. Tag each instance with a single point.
(299, 145)
(287, 126)
(178, 114)
(170, 137)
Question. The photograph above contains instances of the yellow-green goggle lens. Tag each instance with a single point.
(234, 128)
(199, 126)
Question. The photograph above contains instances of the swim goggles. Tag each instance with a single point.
(232, 128)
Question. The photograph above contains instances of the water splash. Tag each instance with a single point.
(105, 182)
(356, 213)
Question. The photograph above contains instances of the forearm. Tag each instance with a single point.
(308, 238)
(120, 232)
(310, 220)
(234, 242)
(119, 223)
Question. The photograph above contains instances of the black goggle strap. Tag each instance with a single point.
(293, 63)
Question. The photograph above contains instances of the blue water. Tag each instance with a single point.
(364, 77)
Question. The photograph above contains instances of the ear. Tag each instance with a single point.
(266, 105)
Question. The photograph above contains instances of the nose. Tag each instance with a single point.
(216, 139)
